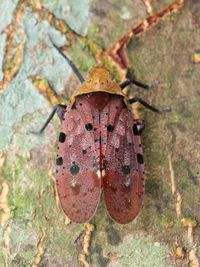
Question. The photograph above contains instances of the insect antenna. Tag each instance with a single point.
(72, 65)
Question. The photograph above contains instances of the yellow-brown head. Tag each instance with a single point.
(98, 80)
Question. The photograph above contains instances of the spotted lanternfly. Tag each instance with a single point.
(100, 149)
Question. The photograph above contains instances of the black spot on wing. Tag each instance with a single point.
(74, 169)
(110, 128)
(62, 137)
(135, 130)
(140, 159)
(59, 161)
(126, 169)
(88, 126)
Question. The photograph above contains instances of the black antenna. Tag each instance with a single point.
(74, 68)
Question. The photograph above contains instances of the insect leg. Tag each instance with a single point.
(146, 105)
(60, 109)
(128, 82)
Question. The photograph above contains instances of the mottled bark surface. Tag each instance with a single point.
(34, 77)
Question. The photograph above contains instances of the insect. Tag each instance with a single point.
(99, 149)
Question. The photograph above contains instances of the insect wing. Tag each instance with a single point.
(77, 182)
(123, 182)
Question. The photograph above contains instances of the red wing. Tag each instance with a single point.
(123, 161)
(78, 184)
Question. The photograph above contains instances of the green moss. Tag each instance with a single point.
(93, 34)
(2, 257)
(158, 158)
(84, 61)
(27, 256)
(184, 185)
(141, 251)
(61, 242)
(23, 204)
(179, 165)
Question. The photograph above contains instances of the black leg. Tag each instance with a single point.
(60, 109)
(146, 105)
(128, 82)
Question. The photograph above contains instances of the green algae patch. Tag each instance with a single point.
(7, 8)
(33, 207)
(140, 251)
(69, 11)
(84, 61)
